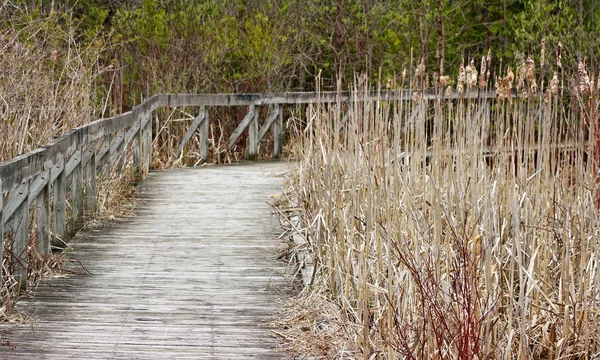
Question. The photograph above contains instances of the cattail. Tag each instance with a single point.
(510, 77)
(482, 79)
(584, 80)
(559, 55)
(543, 53)
(449, 91)
(403, 74)
(522, 76)
(504, 85)
(530, 74)
(421, 69)
(444, 80)
(554, 84)
(472, 79)
(460, 86)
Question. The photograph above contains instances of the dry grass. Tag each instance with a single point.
(451, 228)
(47, 84)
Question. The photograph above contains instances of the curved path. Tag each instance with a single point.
(192, 276)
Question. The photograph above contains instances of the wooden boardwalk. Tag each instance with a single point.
(192, 276)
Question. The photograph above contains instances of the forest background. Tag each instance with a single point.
(67, 62)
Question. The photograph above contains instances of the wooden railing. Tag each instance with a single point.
(41, 181)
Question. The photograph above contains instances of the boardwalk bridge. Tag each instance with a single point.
(191, 276)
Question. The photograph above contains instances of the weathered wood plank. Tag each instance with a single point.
(137, 150)
(278, 133)
(147, 140)
(273, 114)
(59, 209)
(16, 198)
(203, 138)
(103, 157)
(253, 137)
(241, 127)
(38, 185)
(199, 119)
(192, 276)
(20, 230)
(73, 162)
(90, 180)
(43, 220)
(175, 100)
(76, 198)
(116, 149)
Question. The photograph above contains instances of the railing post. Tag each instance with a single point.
(77, 194)
(148, 140)
(20, 225)
(43, 220)
(278, 132)
(59, 186)
(137, 150)
(203, 146)
(90, 180)
(253, 137)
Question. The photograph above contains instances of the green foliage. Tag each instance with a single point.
(276, 45)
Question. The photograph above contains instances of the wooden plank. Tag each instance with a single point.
(43, 220)
(20, 228)
(278, 133)
(147, 124)
(191, 130)
(176, 100)
(90, 180)
(56, 170)
(76, 198)
(103, 158)
(73, 162)
(192, 276)
(241, 127)
(15, 199)
(116, 149)
(59, 210)
(273, 114)
(253, 137)
(203, 138)
(38, 185)
(137, 151)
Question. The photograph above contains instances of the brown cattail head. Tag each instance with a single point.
(504, 85)
(543, 53)
(444, 80)
(585, 86)
(472, 78)
(482, 78)
(449, 91)
(460, 86)
(554, 84)
(530, 73)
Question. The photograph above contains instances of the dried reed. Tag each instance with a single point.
(463, 228)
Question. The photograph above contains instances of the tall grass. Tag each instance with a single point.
(446, 229)
(47, 83)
